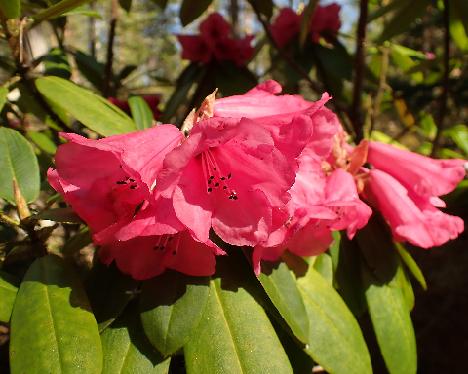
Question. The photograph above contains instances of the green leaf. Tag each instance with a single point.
(3, 96)
(56, 63)
(109, 293)
(91, 68)
(82, 11)
(8, 291)
(92, 110)
(171, 307)
(324, 266)
(52, 327)
(234, 336)
(65, 215)
(190, 10)
(411, 265)
(459, 134)
(43, 141)
(280, 285)
(127, 350)
(406, 13)
(10, 8)
(335, 339)
(58, 9)
(17, 161)
(141, 112)
(390, 317)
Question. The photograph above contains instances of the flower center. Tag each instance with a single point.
(168, 242)
(214, 177)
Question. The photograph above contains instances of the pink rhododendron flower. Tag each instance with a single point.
(229, 174)
(109, 183)
(421, 175)
(325, 22)
(285, 27)
(410, 217)
(215, 41)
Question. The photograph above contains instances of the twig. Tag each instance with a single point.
(92, 32)
(445, 82)
(355, 112)
(382, 85)
(108, 75)
(8, 221)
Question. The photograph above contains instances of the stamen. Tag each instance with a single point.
(214, 176)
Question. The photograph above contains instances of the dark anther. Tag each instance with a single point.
(223, 178)
(210, 189)
(133, 186)
(137, 208)
(229, 176)
(132, 180)
(234, 197)
(217, 184)
(224, 187)
(121, 182)
(230, 197)
(209, 181)
(211, 176)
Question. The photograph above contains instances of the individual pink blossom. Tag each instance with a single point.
(230, 175)
(109, 183)
(215, 42)
(285, 27)
(421, 175)
(319, 204)
(410, 217)
(325, 22)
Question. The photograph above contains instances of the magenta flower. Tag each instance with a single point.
(410, 217)
(109, 183)
(325, 22)
(285, 27)
(230, 175)
(421, 175)
(215, 42)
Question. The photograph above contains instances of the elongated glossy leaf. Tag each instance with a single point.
(323, 265)
(10, 8)
(335, 339)
(280, 285)
(190, 10)
(3, 96)
(171, 307)
(90, 68)
(43, 141)
(234, 336)
(8, 291)
(17, 161)
(390, 317)
(407, 13)
(411, 265)
(66, 215)
(58, 9)
(141, 112)
(52, 327)
(90, 109)
(109, 292)
(127, 350)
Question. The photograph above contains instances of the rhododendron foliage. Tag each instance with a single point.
(216, 42)
(151, 100)
(324, 23)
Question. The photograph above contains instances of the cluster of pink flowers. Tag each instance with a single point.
(264, 170)
(324, 22)
(215, 42)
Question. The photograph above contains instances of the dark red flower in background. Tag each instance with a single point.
(216, 42)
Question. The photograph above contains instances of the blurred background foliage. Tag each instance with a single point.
(405, 82)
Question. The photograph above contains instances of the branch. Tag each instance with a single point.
(108, 75)
(445, 82)
(355, 112)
